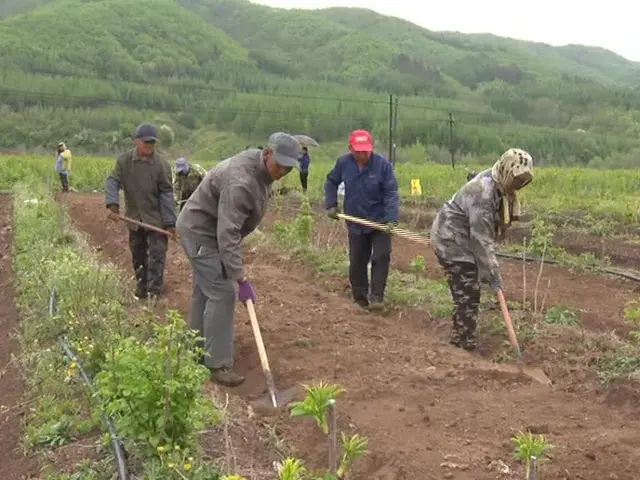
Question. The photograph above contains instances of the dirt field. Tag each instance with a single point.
(430, 411)
(12, 406)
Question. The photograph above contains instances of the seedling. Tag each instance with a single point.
(354, 447)
(529, 445)
(316, 403)
(291, 469)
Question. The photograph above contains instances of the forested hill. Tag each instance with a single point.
(87, 71)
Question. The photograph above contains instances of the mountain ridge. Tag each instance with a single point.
(252, 69)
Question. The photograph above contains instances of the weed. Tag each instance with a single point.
(623, 362)
(559, 315)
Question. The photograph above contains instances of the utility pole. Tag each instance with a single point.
(395, 130)
(451, 122)
(390, 126)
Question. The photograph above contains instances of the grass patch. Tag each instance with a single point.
(599, 200)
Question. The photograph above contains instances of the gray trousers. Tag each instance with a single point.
(212, 302)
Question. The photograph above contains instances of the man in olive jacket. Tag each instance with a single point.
(145, 177)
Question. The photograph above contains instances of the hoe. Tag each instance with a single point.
(274, 398)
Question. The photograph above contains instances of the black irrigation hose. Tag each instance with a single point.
(123, 473)
(611, 271)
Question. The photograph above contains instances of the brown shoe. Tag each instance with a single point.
(227, 377)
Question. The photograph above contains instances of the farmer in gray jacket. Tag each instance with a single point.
(228, 205)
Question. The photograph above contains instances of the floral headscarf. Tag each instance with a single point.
(512, 172)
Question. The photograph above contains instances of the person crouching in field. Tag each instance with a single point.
(188, 177)
(465, 231)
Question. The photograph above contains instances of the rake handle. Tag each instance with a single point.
(378, 226)
(261, 351)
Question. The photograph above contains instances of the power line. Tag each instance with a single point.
(274, 94)
(92, 102)
(35, 95)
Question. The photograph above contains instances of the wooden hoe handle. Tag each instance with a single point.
(507, 319)
(262, 352)
(143, 225)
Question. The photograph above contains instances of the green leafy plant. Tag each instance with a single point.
(291, 469)
(296, 234)
(316, 403)
(154, 389)
(528, 445)
(417, 265)
(354, 447)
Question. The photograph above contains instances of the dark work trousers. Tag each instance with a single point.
(465, 292)
(148, 253)
(64, 180)
(374, 246)
(304, 176)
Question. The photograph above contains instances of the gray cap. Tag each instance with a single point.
(286, 149)
(182, 165)
(146, 132)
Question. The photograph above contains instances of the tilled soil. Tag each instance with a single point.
(430, 411)
(16, 466)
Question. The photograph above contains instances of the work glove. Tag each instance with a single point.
(333, 213)
(246, 292)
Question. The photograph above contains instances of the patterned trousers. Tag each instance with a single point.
(148, 254)
(465, 291)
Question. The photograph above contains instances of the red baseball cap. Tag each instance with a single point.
(361, 141)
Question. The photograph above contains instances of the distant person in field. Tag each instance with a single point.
(370, 193)
(304, 161)
(63, 165)
(228, 205)
(188, 177)
(145, 177)
(464, 235)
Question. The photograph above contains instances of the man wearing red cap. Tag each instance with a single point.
(371, 193)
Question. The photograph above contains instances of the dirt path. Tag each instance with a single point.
(15, 464)
(429, 410)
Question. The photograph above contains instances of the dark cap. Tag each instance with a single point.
(286, 149)
(146, 132)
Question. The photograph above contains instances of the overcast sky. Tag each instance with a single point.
(612, 24)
